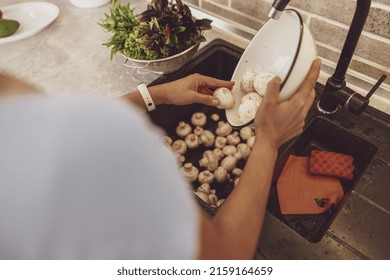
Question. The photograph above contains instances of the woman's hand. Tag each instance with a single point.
(194, 88)
(277, 122)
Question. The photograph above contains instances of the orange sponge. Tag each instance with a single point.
(302, 193)
(331, 164)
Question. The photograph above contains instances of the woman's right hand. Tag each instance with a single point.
(277, 122)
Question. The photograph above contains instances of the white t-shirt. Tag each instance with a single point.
(83, 178)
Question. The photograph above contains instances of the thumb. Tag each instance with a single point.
(273, 90)
(205, 99)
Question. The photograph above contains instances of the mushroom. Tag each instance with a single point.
(209, 161)
(213, 191)
(198, 130)
(179, 147)
(233, 139)
(220, 202)
(229, 150)
(223, 129)
(213, 199)
(189, 172)
(261, 80)
(220, 142)
(246, 84)
(220, 174)
(246, 133)
(251, 141)
(183, 129)
(180, 159)
(207, 138)
(225, 96)
(205, 177)
(198, 119)
(236, 172)
(214, 117)
(203, 196)
(249, 105)
(229, 163)
(192, 141)
(204, 188)
(218, 153)
(167, 141)
(243, 151)
(236, 181)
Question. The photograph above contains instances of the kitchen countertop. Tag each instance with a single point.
(69, 55)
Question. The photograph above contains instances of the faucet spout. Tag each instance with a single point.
(335, 86)
(277, 8)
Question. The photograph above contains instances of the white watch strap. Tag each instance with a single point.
(143, 90)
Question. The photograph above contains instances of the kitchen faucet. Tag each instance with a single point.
(336, 92)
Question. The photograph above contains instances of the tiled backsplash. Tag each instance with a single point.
(329, 21)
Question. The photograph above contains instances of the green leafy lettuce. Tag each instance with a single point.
(163, 30)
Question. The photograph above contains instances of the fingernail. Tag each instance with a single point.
(215, 101)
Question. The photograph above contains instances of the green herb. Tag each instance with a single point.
(163, 30)
(322, 201)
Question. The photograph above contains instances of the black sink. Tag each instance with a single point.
(219, 59)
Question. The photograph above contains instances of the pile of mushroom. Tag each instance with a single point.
(223, 152)
(253, 85)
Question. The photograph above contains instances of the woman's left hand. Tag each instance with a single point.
(194, 88)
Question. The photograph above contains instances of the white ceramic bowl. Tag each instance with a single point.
(284, 47)
(89, 3)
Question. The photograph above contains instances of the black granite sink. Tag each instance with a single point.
(366, 137)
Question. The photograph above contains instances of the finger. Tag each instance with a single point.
(205, 99)
(214, 83)
(273, 90)
(205, 90)
(310, 81)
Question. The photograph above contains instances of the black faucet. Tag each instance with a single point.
(336, 92)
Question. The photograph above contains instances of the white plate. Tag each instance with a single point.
(32, 16)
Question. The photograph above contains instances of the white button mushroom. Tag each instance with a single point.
(223, 129)
(229, 163)
(246, 133)
(218, 153)
(167, 141)
(233, 139)
(229, 150)
(192, 141)
(252, 97)
(220, 174)
(247, 79)
(199, 119)
(248, 107)
(214, 117)
(225, 96)
(213, 199)
(209, 161)
(236, 172)
(220, 142)
(244, 150)
(206, 177)
(204, 188)
(220, 202)
(179, 147)
(198, 130)
(207, 138)
(183, 129)
(247, 111)
(189, 172)
(261, 81)
(251, 141)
